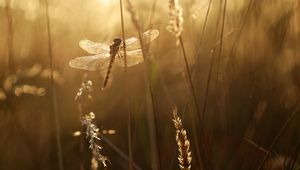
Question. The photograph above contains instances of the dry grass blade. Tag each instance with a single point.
(130, 162)
(53, 91)
(118, 151)
(232, 68)
(276, 138)
(11, 60)
(152, 120)
(221, 39)
(185, 155)
(176, 28)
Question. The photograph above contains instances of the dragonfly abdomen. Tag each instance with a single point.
(108, 71)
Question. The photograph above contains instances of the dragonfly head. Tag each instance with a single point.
(117, 41)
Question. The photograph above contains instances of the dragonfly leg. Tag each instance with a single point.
(120, 55)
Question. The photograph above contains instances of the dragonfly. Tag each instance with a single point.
(104, 56)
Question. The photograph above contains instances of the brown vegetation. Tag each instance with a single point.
(231, 67)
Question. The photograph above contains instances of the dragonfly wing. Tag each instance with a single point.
(134, 57)
(132, 43)
(90, 63)
(148, 36)
(93, 47)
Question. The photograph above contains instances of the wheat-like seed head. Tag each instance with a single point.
(175, 18)
(85, 90)
(91, 132)
(185, 155)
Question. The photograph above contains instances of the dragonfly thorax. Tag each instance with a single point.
(114, 47)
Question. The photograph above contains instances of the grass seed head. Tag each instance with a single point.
(183, 143)
(175, 25)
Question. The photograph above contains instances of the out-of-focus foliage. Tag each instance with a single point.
(253, 91)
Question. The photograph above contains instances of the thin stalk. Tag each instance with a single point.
(197, 56)
(208, 80)
(129, 130)
(53, 92)
(152, 116)
(294, 157)
(257, 146)
(11, 60)
(203, 30)
(189, 75)
(284, 126)
(242, 26)
(12, 70)
(221, 39)
(212, 56)
(152, 13)
(211, 66)
(118, 150)
(82, 138)
(196, 119)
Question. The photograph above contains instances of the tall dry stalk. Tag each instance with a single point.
(11, 61)
(212, 63)
(212, 58)
(10, 80)
(198, 52)
(294, 157)
(185, 155)
(152, 118)
(118, 151)
(81, 143)
(53, 91)
(129, 130)
(237, 39)
(278, 135)
(203, 30)
(221, 40)
(176, 27)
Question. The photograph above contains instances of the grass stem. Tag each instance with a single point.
(274, 141)
(129, 130)
(53, 92)
(152, 116)
(196, 118)
(11, 61)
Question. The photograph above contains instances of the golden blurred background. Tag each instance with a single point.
(244, 61)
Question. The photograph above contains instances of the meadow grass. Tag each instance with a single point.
(234, 66)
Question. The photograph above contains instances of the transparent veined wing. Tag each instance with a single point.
(134, 57)
(148, 36)
(93, 47)
(91, 63)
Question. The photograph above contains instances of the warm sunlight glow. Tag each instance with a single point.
(148, 84)
(107, 2)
